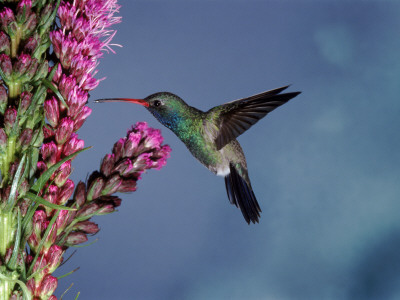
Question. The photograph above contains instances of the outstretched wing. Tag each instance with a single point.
(234, 118)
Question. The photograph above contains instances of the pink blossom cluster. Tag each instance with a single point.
(78, 44)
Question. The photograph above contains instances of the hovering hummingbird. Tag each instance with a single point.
(211, 136)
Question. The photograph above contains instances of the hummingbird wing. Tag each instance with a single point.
(234, 118)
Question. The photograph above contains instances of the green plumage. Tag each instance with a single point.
(211, 136)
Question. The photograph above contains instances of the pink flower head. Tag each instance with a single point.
(48, 286)
(49, 153)
(64, 131)
(65, 192)
(72, 145)
(63, 173)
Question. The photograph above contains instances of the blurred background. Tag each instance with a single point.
(324, 167)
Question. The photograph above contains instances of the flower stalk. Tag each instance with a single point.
(47, 69)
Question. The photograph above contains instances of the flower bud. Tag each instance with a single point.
(23, 63)
(95, 188)
(38, 220)
(10, 116)
(72, 145)
(87, 227)
(31, 44)
(63, 173)
(49, 153)
(51, 196)
(124, 167)
(41, 167)
(3, 99)
(131, 144)
(65, 192)
(127, 185)
(107, 164)
(25, 138)
(81, 117)
(64, 130)
(87, 211)
(4, 43)
(112, 185)
(6, 17)
(48, 132)
(52, 111)
(3, 139)
(63, 220)
(75, 238)
(26, 99)
(54, 257)
(80, 194)
(47, 286)
(51, 238)
(117, 149)
(105, 210)
(6, 66)
(24, 9)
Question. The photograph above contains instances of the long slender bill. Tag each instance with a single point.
(137, 101)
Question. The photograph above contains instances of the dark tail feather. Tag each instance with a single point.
(241, 194)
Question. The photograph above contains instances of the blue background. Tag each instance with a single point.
(324, 167)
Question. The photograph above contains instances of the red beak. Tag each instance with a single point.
(137, 101)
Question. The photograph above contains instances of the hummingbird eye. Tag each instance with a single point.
(156, 103)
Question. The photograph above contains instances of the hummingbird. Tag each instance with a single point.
(211, 136)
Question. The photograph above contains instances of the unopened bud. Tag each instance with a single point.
(63, 173)
(127, 185)
(47, 286)
(81, 117)
(54, 257)
(49, 153)
(6, 17)
(75, 238)
(52, 111)
(107, 164)
(26, 99)
(10, 116)
(6, 66)
(117, 149)
(64, 130)
(25, 138)
(3, 99)
(87, 227)
(4, 43)
(80, 194)
(72, 145)
(65, 192)
(95, 188)
(3, 139)
(112, 185)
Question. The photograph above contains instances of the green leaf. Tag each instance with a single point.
(63, 294)
(49, 85)
(69, 273)
(38, 185)
(15, 184)
(42, 201)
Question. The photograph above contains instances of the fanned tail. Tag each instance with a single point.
(241, 194)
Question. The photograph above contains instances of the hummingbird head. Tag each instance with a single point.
(167, 108)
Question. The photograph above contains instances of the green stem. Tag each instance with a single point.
(14, 89)
(15, 40)
(8, 226)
